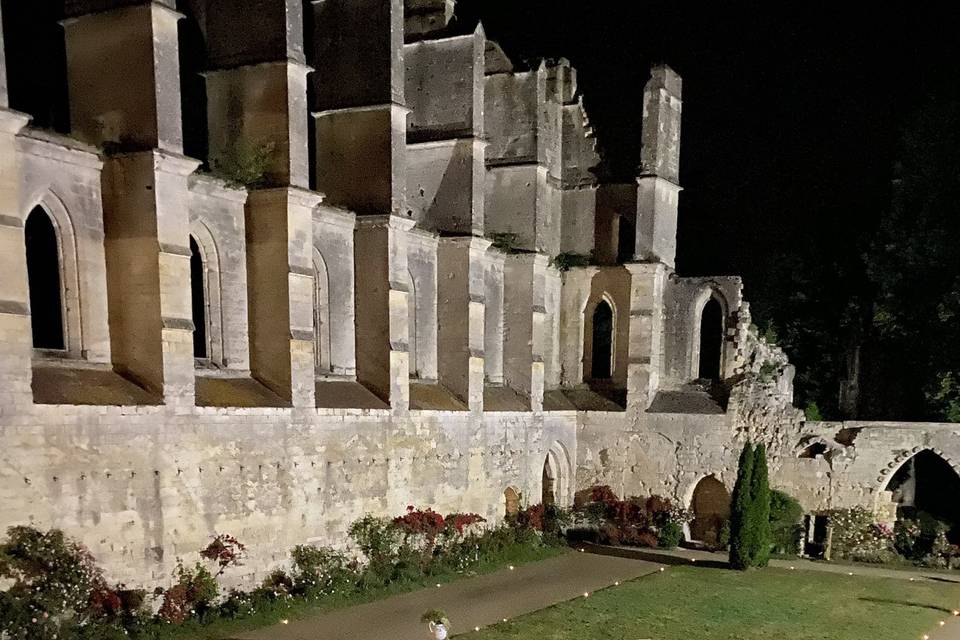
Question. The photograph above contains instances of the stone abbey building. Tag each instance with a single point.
(270, 265)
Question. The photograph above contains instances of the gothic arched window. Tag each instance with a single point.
(711, 340)
(198, 297)
(45, 282)
(602, 362)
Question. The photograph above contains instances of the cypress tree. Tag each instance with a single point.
(760, 508)
(740, 508)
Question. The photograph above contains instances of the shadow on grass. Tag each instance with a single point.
(650, 556)
(942, 579)
(906, 603)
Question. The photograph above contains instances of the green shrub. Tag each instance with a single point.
(785, 516)
(723, 538)
(812, 412)
(321, 570)
(506, 242)
(567, 261)
(378, 538)
(193, 594)
(244, 163)
(670, 535)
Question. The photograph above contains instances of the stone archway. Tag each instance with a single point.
(924, 488)
(556, 477)
(710, 505)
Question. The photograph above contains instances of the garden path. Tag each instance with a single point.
(469, 603)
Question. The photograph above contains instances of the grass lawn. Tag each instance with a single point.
(294, 609)
(691, 603)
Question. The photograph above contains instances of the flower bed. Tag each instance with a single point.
(59, 593)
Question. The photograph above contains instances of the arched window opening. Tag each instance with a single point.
(198, 301)
(711, 511)
(711, 340)
(193, 86)
(321, 315)
(511, 502)
(626, 240)
(412, 349)
(44, 278)
(924, 490)
(602, 363)
(36, 62)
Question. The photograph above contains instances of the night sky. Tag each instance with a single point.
(789, 121)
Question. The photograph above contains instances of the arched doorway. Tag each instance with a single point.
(198, 301)
(601, 366)
(556, 477)
(711, 340)
(711, 510)
(44, 279)
(549, 479)
(925, 489)
(511, 502)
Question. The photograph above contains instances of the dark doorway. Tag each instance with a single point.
(602, 364)
(199, 301)
(711, 340)
(925, 490)
(43, 276)
(711, 510)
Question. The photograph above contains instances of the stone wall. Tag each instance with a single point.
(145, 486)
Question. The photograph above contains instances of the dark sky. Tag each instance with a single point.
(789, 122)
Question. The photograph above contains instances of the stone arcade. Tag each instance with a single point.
(350, 333)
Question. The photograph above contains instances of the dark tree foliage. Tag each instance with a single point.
(913, 262)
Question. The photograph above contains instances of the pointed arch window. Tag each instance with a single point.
(601, 367)
(45, 278)
(198, 295)
(711, 340)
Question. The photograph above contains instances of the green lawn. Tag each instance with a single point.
(690, 603)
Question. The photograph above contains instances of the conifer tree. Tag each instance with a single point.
(740, 519)
(760, 509)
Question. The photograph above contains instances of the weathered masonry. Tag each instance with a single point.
(269, 265)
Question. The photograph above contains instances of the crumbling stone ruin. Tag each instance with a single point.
(345, 269)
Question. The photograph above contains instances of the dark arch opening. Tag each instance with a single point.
(711, 510)
(711, 340)
(36, 60)
(193, 86)
(198, 301)
(602, 364)
(925, 489)
(43, 276)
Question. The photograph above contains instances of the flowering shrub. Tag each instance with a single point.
(54, 580)
(856, 536)
(321, 570)
(194, 593)
(225, 550)
(461, 522)
(420, 522)
(645, 522)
